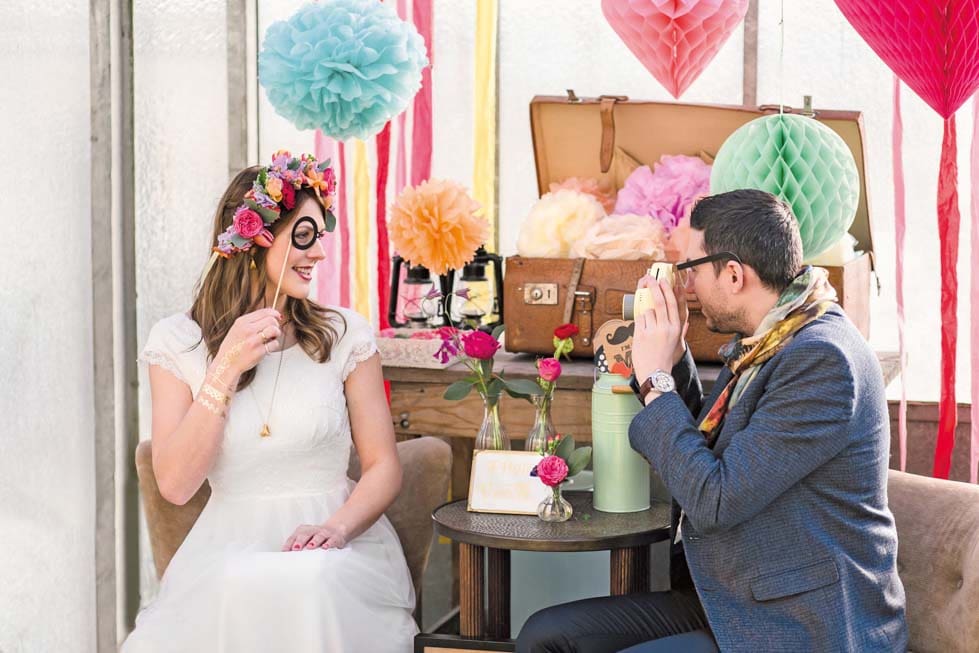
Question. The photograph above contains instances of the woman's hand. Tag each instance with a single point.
(324, 536)
(252, 337)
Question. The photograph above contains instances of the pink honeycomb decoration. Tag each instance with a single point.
(674, 39)
(932, 45)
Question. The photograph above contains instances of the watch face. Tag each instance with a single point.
(663, 382)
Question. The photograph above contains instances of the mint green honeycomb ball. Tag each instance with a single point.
(800, 160)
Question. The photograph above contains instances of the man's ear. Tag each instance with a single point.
(736, 273)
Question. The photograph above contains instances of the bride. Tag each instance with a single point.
(263, 392)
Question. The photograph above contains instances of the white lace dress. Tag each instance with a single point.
(229, 587)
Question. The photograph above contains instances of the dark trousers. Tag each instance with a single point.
(613, 623)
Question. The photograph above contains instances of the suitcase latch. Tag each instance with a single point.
(544, 294)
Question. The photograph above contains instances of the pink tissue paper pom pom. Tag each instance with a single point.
(666, 193)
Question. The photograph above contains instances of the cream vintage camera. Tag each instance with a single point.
(642, 301)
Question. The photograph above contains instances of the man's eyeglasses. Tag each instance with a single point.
(720, 256)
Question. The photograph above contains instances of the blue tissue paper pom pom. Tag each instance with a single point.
(345, 67)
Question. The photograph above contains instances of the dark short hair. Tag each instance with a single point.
(755, 225)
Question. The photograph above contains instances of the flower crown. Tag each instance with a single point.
(273, 191)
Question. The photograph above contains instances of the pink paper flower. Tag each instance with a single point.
(589, 186)
(552, 470)
(248, 223)
(549, 369)
(666, 193)
(480, 345)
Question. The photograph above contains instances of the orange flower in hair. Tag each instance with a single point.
(435, 225)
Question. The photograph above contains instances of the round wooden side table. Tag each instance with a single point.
(626, 535)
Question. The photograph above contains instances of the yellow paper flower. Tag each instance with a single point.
(555, 222)
(435, 225)
(623, 237)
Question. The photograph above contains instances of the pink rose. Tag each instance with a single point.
(552, 470)
(480, 345)
(248, 223)
(330, 179)
(549, 368)
(288, 197)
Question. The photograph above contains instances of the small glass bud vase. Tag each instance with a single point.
(491, 434)
(543, 427)
(555, 508)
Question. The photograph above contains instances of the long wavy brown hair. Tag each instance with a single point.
(232, 287)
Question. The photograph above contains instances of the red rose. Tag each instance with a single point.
(480, 345)
(288, 196)
(248, 223)
(549, 369)
(552, 470)
(565, 331)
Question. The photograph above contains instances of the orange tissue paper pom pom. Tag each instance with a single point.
(434, 224)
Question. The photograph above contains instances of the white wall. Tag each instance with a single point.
(47, 492)
(181, 106)
(548, 46)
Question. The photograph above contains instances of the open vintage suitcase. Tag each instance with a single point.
(589, 137)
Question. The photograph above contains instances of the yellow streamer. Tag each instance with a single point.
(484, 118)
(362, 249)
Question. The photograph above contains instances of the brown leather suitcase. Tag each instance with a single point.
(591, 137)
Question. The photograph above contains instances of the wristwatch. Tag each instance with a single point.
(659, 381)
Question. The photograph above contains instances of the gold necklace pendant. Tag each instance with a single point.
(265, 431)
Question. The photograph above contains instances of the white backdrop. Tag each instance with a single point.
(47, 465)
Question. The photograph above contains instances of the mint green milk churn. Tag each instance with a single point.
(621, 475)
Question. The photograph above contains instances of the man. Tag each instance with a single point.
(780, 479)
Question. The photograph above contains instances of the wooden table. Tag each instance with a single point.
(626, 535)
(417, 407)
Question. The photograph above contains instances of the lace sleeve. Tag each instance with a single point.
(358, 342)
(161, 349)
(360, 352)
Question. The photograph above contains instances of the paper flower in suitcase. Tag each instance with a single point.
(561, 460)
(434, 224)
(601, 191)
(345, 66)
(667, 192)
(556, 221)
(476, 349)
(623, 238)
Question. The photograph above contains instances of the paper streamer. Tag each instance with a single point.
(484, 118)
(421, 119)
(974, 294)
(343, 227)
(383, 144)
(328, 270)
(362, 227)
(897, 166)
(948, 231)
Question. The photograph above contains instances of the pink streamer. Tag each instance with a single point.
(328, 271)
(343, 227)
(421, 134)
(974, 294)
(897, 138)
(401, 167)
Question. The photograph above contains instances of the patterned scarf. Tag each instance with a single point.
(807, 298)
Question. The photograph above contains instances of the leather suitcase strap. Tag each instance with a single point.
(608, 132)
(579, 265)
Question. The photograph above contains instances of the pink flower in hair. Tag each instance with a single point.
(248, 223)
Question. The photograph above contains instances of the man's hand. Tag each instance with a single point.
(659, 332)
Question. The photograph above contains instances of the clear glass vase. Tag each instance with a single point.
(555, 508)
(491, 434)
(543, 427)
